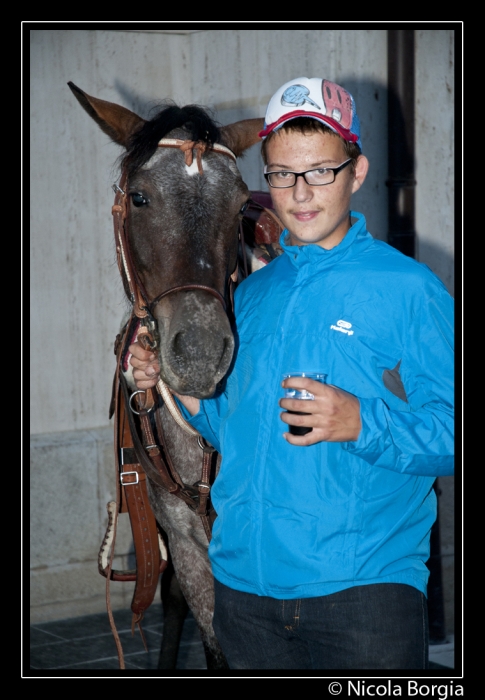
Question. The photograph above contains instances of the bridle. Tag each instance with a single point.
(142, 306)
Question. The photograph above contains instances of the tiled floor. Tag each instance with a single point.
(443, 655)
(87, 643)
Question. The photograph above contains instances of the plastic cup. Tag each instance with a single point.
(302, 395)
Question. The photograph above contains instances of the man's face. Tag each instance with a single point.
(312, 214)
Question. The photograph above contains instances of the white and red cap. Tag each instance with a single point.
(316, 98)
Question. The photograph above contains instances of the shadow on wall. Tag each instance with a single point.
(439, 261)
(399, 175)
(145, 107)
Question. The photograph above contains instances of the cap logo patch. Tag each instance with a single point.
(337, 103)
(297, 95)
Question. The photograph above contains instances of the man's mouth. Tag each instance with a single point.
(305, 215)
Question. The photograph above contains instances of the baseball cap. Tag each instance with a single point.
(316, 98)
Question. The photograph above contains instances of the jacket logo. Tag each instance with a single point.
(343, 327)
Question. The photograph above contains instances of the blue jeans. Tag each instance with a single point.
(379, 626)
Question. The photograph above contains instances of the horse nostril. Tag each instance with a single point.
(177, 345)
(184, 354)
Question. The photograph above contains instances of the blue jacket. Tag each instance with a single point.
(308, 521)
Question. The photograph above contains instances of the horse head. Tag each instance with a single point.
(184, 201)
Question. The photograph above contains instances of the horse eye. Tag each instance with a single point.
(138, 199)
(243, 208)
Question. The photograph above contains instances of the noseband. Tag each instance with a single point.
(142, 306)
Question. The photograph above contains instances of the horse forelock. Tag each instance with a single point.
(194, 120)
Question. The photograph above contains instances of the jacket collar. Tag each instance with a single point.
(300, 255)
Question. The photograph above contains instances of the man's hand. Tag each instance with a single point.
(146, 370)
(334, 414)
(146, 373)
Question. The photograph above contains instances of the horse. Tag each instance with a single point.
(185, 199)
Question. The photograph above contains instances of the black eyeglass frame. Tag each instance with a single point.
(302, 174)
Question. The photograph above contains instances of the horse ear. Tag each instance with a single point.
(116, 121)
(241, 135)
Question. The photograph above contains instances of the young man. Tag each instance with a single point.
(320, 546)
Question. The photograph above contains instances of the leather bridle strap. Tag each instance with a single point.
(154, 457)
(131, 497)
(187, 288)
(188, 147)
(127, 270)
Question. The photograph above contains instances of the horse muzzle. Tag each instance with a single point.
(196, 344)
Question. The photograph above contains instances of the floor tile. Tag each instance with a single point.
(87, 644)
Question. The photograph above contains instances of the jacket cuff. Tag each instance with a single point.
(374, 438)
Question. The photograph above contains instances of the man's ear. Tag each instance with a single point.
(361, 169)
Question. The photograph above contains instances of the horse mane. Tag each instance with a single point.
(195, 119)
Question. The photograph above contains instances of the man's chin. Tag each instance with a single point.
(324, 241)
(302, 238)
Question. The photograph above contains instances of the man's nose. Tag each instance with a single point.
(302, 191)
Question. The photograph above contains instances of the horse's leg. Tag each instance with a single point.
(215, 658)
(187, 540)
(175, 610)
(196, 582)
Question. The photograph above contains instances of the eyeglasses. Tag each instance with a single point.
(317, 177)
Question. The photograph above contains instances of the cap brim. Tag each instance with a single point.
(335, 126)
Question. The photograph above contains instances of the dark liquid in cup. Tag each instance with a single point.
(299, 429)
